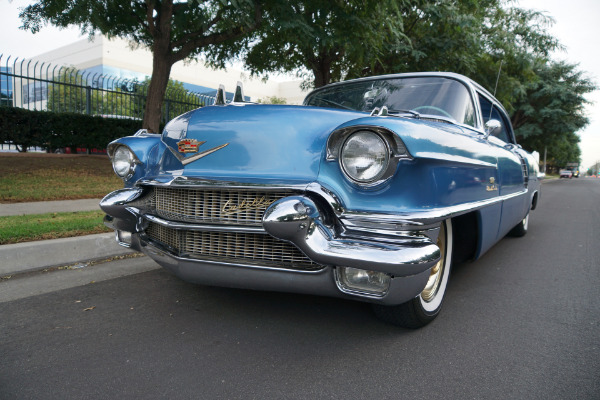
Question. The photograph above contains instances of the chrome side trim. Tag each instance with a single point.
(455, 159)
(421, 219)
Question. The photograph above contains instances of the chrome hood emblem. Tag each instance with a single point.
(191, 146)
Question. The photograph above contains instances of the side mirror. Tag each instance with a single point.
(492, 127)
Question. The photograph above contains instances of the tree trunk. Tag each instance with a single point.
(322, 73)
(161, 70)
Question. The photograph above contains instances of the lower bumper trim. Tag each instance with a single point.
(321, 282)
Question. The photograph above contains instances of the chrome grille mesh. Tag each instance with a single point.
(238, 207)
(253, 248)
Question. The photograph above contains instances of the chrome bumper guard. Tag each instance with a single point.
(298, 220)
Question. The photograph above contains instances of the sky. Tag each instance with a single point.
(576, 26)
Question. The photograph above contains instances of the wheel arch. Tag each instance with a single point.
(466, 236)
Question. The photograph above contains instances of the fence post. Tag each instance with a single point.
(88, 100)
(167, 110)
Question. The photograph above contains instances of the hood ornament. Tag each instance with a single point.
(191, 146)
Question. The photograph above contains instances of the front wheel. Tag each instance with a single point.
(426, 306)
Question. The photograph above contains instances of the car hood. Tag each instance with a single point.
(251, 141)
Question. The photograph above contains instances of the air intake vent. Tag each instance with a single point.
(525, 171)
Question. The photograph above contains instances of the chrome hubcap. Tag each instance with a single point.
(435, 277)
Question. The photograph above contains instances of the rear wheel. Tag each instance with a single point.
(521, 228)
(426, 306)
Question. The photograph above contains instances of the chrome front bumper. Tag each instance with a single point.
(406, 256)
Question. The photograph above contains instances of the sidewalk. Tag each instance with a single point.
(29, 256)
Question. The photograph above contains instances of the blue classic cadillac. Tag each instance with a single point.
(368, 191)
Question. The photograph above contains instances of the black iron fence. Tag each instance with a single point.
(37, 85)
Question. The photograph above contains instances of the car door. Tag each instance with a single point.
(513, 174)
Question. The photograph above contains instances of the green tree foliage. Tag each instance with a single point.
(173, 31)
(551, 109)
(318, 36)
(272, 100)
(67, 92)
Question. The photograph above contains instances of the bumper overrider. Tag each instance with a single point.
(361, 259)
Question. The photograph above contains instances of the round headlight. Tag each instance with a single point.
(123, 161)
(364, 156)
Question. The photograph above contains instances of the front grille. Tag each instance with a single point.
(234, 247)
(237, 207)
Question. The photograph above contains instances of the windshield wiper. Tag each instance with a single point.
(411, 112)
(333, 103)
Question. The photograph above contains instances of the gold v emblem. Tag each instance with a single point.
(186, 160)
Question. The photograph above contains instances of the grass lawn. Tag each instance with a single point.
(44, 177)
(25, 228)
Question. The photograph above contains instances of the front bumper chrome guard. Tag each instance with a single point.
(298, 220)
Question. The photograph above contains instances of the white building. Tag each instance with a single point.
(118, 58)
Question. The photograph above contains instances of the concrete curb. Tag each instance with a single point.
(29, 256)
(43, 207)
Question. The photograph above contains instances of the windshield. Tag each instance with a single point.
(435, 96)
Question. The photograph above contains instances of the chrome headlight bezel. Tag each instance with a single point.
(124, 160)
(395, 147)
(375, 153)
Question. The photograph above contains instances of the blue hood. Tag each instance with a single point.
(262, 141)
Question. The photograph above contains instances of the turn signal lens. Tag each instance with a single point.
(361, 280)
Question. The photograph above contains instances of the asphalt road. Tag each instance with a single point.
(520, 323)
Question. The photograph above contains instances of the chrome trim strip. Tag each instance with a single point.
(204, 227)
(455, 159)
(182, 181)
(422, 218)
(337, 138)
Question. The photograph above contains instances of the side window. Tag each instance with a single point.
(488, 112)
